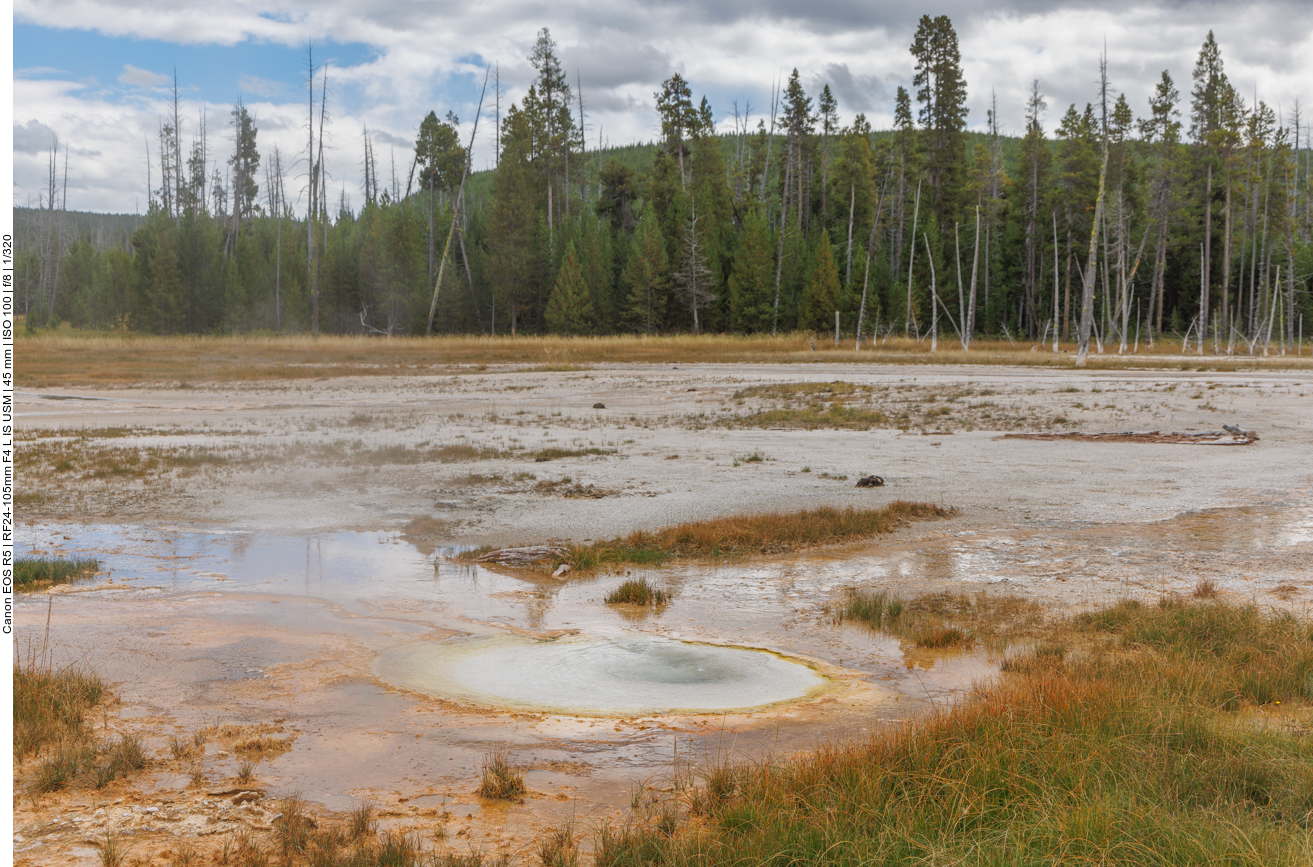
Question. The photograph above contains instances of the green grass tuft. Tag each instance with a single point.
(637, 592)
(35, 573)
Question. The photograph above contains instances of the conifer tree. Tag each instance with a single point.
(1211, 95)
(1078, 185)
(853, 188)
(570, 309)
(751, 278)
(1034, 172)
(513, 220)
(1162, 132)
(822, 294)
(644, 281)
(942, 92)
(679, 120)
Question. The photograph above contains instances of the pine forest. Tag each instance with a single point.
(1189, 217)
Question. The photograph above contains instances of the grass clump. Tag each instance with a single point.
(35, 573)
(498, 780)
(809, 406)
(762, 533)
(50, 705)
(876, 608)
(559, 848)
(1138, 741)
(553, 453)
(938, 621)
(637, 591)
(299, 840)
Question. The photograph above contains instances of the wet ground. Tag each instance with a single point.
(231, 598)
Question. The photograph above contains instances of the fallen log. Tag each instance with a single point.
(522, 556)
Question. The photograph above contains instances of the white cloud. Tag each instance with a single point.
(134, 77)
(33, 137)
(429, 57)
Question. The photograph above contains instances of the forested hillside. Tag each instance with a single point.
(1191, 214)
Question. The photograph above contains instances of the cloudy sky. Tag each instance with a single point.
(98, 73)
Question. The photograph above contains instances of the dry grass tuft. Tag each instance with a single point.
(50, 704)
(559, 848)
(637, 591)
(763, 533)
(498, 780)
(1205, 588)
(263, 745)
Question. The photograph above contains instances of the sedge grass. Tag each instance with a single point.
(1159, 743)
(746, 535)
(499, 780)
(36, 573)
(637, 591)
(50, 705)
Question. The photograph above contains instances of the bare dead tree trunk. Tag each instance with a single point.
(459, 205)
(1087, 280)
(911, 257)
(934, 296)
(779, 255)
(1206, 265)
(1055, 281)
(852, 210)
(866, 276)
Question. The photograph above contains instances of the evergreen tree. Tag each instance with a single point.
(822, 294)
(1077, 187)
(679, 120)
(513, 222)
(751, 280)
(549, 110)
(645, 279)
(1035, 159)
(1212, 97)
(441, 161)
(619, 195)
(594, 255)
(570, 309)
(1162, 132)
(942, 92)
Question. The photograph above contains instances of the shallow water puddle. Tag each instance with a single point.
(396, 673)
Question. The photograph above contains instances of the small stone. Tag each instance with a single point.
(599, 405)
(561, 570)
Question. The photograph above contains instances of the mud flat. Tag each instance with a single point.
(268, 543)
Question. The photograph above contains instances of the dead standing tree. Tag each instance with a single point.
(458, 209)
(693, 279)
(1087, 280)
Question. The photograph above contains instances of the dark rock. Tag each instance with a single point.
(870, 482)
(599, 405)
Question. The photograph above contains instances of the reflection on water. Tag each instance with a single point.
(637, 675)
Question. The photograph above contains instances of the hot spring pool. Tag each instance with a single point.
(590, 675)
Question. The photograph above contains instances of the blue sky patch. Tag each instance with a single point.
(217, 74)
